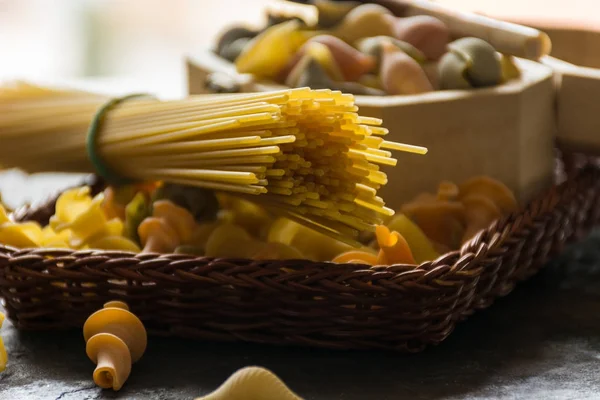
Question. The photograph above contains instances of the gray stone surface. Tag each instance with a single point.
(540, 342)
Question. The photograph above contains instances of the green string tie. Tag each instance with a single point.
(91, 142)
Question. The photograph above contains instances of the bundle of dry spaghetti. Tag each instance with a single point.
(306, 153)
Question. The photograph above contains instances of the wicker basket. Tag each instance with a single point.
(399, 307)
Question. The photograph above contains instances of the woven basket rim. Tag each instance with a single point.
(297, 302)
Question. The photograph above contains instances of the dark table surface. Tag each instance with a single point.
(540, 342)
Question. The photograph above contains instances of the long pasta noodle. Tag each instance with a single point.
(306, 154)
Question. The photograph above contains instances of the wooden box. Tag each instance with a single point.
(577, 65)
(506, 132)
(575, 59)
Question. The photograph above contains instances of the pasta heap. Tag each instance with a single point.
(306, 153)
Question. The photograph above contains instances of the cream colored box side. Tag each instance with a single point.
(463, 137)
(576, 63)
(578, 91)
(537, 132)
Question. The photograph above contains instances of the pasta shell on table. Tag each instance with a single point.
(251, 383)
(115, 339)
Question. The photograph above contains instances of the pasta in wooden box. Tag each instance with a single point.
(504, 106)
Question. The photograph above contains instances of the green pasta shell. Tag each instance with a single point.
(469, 63)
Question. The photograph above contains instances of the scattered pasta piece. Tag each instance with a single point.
(251, 383)
(115, 338)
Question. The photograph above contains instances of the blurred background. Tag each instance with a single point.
(146, 40)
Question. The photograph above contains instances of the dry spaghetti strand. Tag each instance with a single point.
(303, 153)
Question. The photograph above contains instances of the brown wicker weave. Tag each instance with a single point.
(401, 307)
